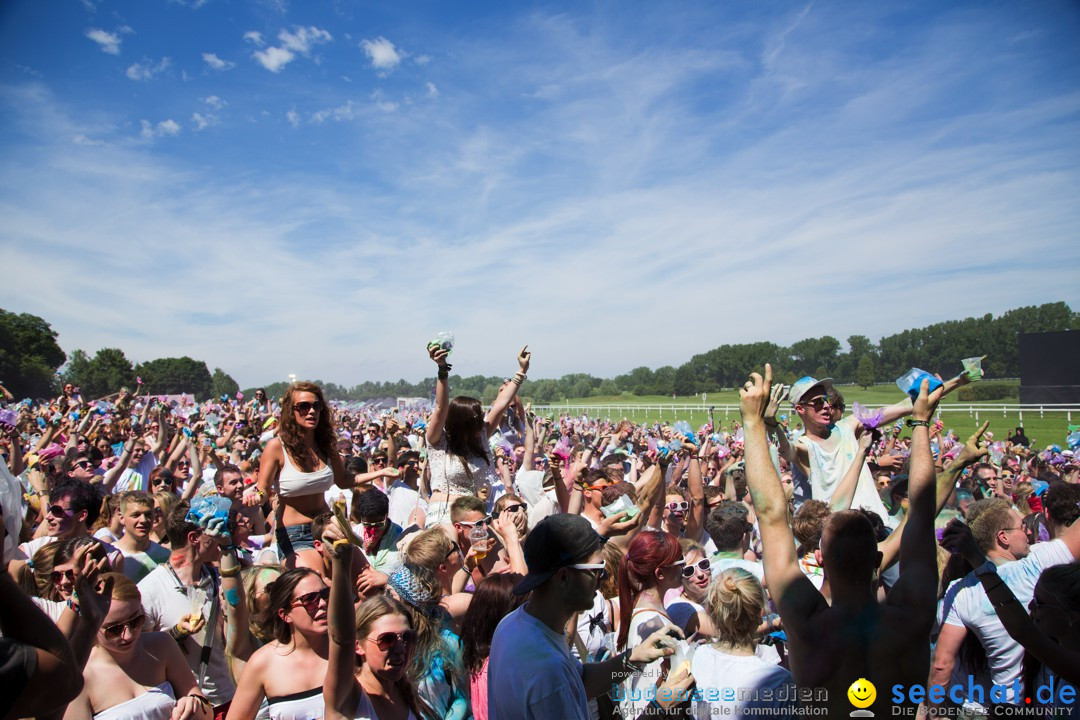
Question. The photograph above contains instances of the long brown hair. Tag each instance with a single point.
(292, 438)
(464, 430)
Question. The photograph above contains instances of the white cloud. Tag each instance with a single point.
(274, 58)
(109, 42)
(146, 70)
(382, 53)
(304, 38)
(217, 63)
(81, 139)
(293, 118)
(340, 113)
(255, 37)
(300, 41)
(215, 102)
(432, 91)
(204, 121)
(422, 59)
(166, 127)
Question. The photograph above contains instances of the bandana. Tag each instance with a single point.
(372, 535)
(408, 587)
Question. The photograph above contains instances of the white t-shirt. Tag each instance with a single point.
(531, 673)
(53, 608)
(965, 605)
(138, 565)
(639, 688)
(130, 479)
(403, 500)
(719, 565)
(165, 600)
(738, 683)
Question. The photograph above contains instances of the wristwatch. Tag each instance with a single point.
(918, 423)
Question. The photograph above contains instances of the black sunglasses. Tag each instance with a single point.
(311, 599)
(116, 630)
(509, 508)
(305, 407)
(387, 640)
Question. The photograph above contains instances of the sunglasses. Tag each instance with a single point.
(113, 632)
(373, 523)
(183, 463)
(305, 407)
(162, 481)
(678, 506)
(379, 461)
(454, 548)
(597, 570)
(703, 565)
(58, 575)
(84, 464)
(817, 403)
(510, 509)
(385, 641)
(58, 511)
(474, 523)
(311, 600)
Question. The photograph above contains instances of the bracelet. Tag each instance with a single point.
(177, 634)
(202, 700)
(630, 665)
(230, 572)
(918, 423)
(73, 604)
(774, 423)
(444, 372)
(518, 379)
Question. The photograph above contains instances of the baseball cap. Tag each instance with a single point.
(804, 385)
(556, 542)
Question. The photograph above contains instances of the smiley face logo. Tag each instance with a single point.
(862, 693)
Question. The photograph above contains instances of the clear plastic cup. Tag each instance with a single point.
(478, 537)
(973, 368)
(910, 381)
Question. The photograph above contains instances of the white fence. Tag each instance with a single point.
(615, 410)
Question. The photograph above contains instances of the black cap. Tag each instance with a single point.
(556, 542)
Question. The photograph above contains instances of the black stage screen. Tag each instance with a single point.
(1050, 368)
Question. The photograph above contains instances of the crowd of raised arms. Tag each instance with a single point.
(289, 558)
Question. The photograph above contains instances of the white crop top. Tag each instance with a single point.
(156, 703)
(448, 472)
(294, 483)
(297, 706)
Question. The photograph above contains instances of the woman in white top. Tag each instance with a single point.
(650, 568)
(457, 436)
(735, 603)
(378, 635)
(289, 670)
(300, 464)
(132, 675)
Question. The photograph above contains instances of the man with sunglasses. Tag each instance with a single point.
(826, 449)
(75, 505)
(181, 597)
(379, 536)
(531, 672)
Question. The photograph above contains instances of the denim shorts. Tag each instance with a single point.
(293, 538)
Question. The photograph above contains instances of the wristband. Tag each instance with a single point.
(774, 423)
(73, 604)
(444, 372)
(630, 665)
(918, 423)
(230, 572)
(177, 634)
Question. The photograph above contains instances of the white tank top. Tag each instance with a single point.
(294, 483)
(297, 706)
(156, 703)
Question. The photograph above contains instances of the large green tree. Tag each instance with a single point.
(169, 376)
(101, 375)
(221, 383)
(29, 355)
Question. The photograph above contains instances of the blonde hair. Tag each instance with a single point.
(735, 603)
(429, 548)
(989, 517)
(124, 588)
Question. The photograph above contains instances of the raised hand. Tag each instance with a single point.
(523, 359)
(926, 403)
(754, 397)
(93, 601)
(776, 396)
(975, 447)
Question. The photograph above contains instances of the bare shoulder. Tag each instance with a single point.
(457, 604)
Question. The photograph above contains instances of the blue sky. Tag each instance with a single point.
(318, 187)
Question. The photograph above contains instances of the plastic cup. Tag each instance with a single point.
(973, 368)
(910, 382)
(478, 536)
(444, 339)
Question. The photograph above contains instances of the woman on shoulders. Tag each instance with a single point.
(300, 465)
(457, 436)
(135, 675)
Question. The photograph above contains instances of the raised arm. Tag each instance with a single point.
(112, 475)
(916, 588)
(437, 419)
(273, 458)
(340, 688)
(695, 519)
(786, 581)
(845, 491)
(195, 480)
(508, 392)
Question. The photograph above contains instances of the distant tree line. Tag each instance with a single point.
(30, 359)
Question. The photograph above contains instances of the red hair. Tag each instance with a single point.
(648, 551)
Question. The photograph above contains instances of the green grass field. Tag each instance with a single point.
(1045, 429)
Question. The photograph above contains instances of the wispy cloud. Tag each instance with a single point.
(217, 63)
(162, 129)
(147, 69)
(109, 42)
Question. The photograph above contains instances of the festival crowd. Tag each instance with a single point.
(291, 558)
